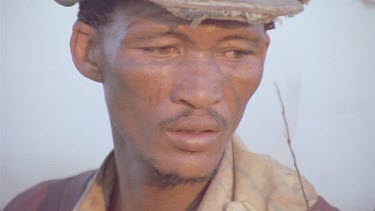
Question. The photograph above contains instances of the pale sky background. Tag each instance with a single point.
(54, 122)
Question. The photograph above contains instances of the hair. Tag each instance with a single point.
(96, 13)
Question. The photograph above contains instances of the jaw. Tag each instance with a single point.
(165, 168)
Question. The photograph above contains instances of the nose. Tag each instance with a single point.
(198, 84)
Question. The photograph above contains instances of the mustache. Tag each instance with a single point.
(214, 115)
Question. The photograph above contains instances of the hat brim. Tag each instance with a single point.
(250, 11)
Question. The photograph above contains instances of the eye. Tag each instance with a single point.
(164, 51)
(236, 54)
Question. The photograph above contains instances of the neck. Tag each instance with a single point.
(139, 188)
(142, 197)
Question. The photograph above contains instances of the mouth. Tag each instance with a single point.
(193, 134)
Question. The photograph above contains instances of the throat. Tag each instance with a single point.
(184, 197)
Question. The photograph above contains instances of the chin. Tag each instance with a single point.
(185, 173)
(174, 178)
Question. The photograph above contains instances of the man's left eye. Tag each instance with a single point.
(236, 54)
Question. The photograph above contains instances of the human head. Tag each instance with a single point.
(175, 93)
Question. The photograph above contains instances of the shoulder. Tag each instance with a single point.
(323, 205)
(51, 195)
(278, 186)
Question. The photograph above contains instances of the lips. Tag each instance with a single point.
(193, 134)
(194, 125)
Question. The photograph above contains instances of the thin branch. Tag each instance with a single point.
(290, 145)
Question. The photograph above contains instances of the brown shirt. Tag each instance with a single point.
(245, 181)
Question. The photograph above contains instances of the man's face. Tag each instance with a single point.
(176, 93)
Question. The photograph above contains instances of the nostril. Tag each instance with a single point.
(185, 102)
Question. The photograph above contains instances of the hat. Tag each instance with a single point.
(250, 11)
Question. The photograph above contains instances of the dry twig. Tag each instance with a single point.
(290, 145)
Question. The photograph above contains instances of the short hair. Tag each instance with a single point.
(96, 13)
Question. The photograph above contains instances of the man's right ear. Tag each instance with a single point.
(82, 46)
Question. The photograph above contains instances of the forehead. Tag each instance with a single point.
(142, 15)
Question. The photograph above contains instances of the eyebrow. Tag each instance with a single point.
(170, 33)
(155, 35)
(254, 39)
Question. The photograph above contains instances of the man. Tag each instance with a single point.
(177, 76)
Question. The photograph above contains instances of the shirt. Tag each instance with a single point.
(245, 181)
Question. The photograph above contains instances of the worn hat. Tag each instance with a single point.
(250, 11)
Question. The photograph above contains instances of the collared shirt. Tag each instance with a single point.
(245, 181)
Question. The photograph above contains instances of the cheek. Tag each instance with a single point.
(248, 80)
(133, 89)
(129, 79)
(243, 81)
(136, 79)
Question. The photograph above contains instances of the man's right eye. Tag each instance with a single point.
(164, 51)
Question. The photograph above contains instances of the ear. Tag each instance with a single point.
(268, 40)
(82, 46)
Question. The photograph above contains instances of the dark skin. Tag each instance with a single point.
(175, 95)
